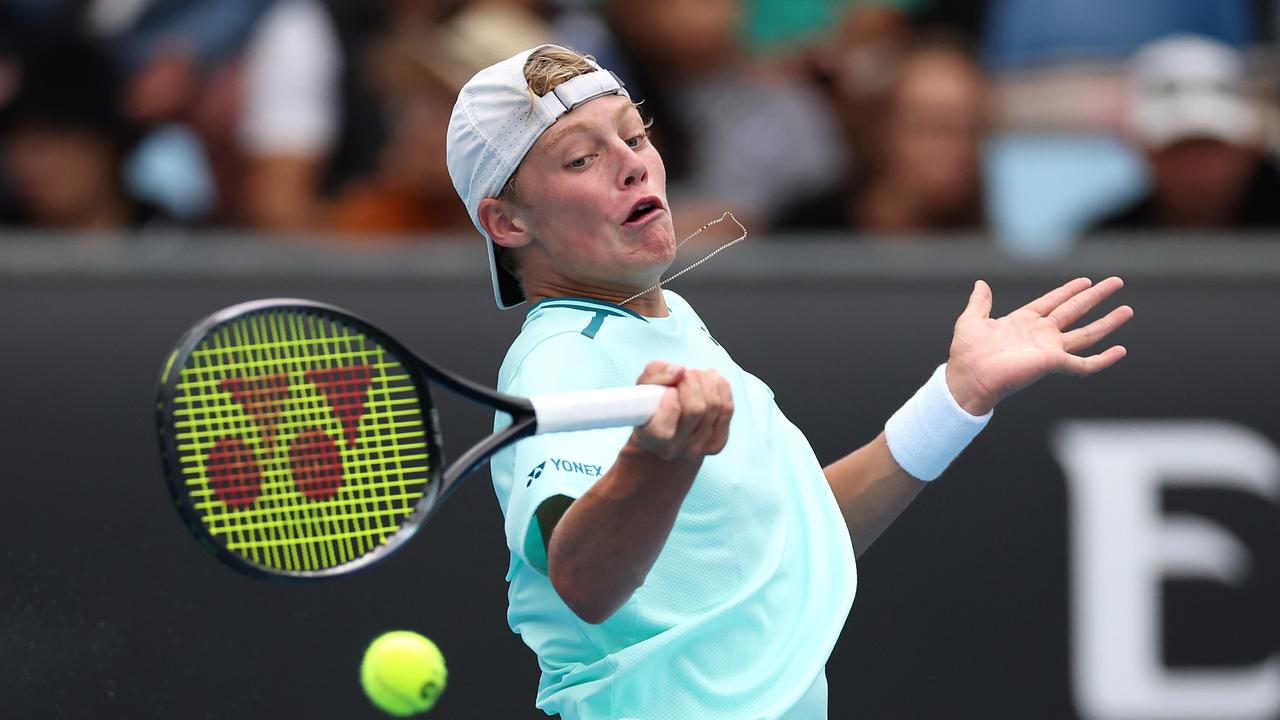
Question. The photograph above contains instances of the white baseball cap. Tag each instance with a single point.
(494, 123)
(1186, 86)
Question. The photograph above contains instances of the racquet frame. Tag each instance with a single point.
(440, 483)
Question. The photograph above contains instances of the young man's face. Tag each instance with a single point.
(592, 194)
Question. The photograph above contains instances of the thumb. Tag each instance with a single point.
(661, 373)
(979, 301)
(674, 374)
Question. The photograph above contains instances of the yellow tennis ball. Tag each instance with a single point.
(403, 673)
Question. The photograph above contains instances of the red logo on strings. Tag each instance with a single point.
(314, 458)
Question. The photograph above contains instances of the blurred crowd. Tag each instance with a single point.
(884, 119)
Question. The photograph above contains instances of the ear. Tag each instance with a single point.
(499, 218)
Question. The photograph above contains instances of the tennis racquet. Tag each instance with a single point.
(300, 441)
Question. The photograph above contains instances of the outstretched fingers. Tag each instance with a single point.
(979, 301)
(1082, 366)
(1084, 337)
(1081, 303)
(1050, 301)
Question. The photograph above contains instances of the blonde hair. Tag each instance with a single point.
(550, 66)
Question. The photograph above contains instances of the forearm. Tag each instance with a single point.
(607, 541)
(871, 490)
(876, 483)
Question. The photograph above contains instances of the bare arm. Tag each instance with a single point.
(991, 358)
(603, 546)
(871, 490)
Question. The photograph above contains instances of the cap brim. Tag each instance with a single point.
(506, 289)
(1167, 121)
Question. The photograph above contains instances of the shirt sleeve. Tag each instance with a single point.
(566, 464)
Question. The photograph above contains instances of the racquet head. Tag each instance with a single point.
(299, 441)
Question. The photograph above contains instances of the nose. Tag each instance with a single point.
(633, 169)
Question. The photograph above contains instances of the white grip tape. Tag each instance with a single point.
(931, 429)
(594, 409)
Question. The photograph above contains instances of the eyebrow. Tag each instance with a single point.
(561, 133)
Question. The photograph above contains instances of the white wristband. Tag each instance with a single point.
(931, 429)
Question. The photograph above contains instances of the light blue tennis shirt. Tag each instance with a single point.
(739, 613)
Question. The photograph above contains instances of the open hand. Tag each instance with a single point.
(992, 358)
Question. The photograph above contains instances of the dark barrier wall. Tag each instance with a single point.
(1107, 549)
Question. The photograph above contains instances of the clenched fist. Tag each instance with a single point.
(693, 419)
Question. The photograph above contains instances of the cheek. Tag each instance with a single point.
(565, 219)
(657, 170)
(580, 210)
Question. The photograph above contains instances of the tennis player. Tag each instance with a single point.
(700, 566)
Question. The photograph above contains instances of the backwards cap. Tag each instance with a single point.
(491, 130)
(1186, 86)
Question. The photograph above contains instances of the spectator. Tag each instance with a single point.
(290, 118)
(857, 63)
(1061, 64)
(416, 68)
(779, 26)
(257, 80)
(733, 136)
(65, 141)
(918, 149)
(168, 49)
(1202, 133)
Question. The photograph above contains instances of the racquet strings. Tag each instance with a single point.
(301, 441)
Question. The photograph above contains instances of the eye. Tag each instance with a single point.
(636, 141)
(579, 163)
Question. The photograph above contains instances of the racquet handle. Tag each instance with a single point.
(594, 409)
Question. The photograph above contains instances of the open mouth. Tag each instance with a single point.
(643, 210)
